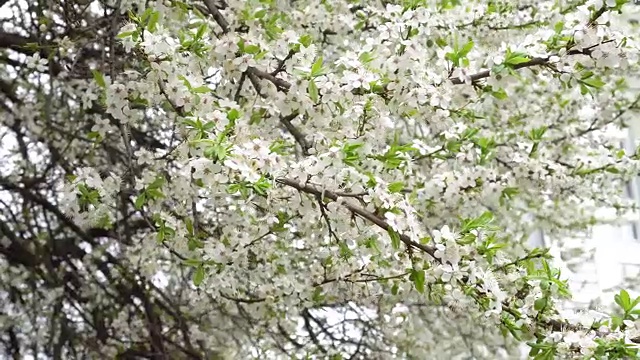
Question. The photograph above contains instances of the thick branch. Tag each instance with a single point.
(14, 42)
(301, 138)
(217, 16)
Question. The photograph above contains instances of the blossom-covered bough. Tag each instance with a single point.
(308, 179)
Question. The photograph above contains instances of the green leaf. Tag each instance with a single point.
(395, 238)
(201, 90)
(623, 300)
(158, 182)
(262, 186)
(418, 280)
(316, 68)
(540, 304)
(155, 194)
(125, 34)
(350, 153)
(454, 146)
(616, 322)
(537, 133)
(146, 14)
(465, 49)
(153, 21)
(216, 152)
(209, 126)
(517, 60)
(305, 40)
(201, 30)
(169, 231)
(366, 57)
(510, 192)
(251, 49)
(256, 116)
(192, 262)
(194, 243)
(593, 82)
(185, 81)
(189, 224)
(584, 90)
(586, 75)
(453, 57)
(99, 78)
(198, 276)
(396, 187)
(313, 91)
(497, 69)
(469, 133)
(233, 114)
(94, 135)
(499, 94)
(482, 221)
(558, 27)
(345, 252)
(544, 285)
(394, 289)
(317, 296)
(140, 200)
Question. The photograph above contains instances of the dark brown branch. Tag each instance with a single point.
(300, 138)
(533, 62)
(280, 84)
(358, 211)
(217, 15)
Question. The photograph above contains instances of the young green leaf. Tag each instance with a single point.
(313, 91)
(395, 238)
(99, 78)
(316, 68)
(140, 200)
(396, 187)
(418, 280)
(198, 275)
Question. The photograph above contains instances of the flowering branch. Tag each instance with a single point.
(357, 211)
(533, 62)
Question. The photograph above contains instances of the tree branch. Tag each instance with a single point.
(217, 15)
(358, 211)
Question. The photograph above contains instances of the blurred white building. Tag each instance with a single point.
(610, 254)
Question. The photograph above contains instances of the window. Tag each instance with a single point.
(630, 271)
(537, 239)
(632, 189)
